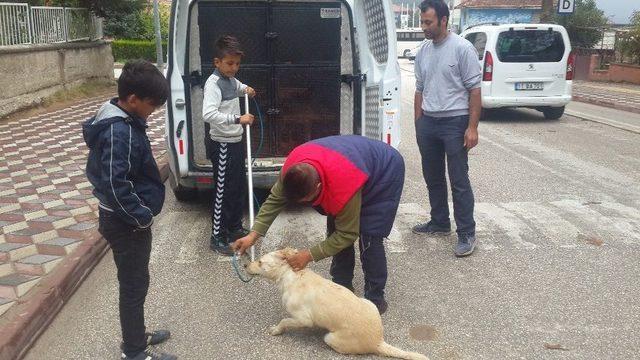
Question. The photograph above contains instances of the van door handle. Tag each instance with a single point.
(180, 103)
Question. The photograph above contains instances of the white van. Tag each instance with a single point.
(525, 65)
(319, 68)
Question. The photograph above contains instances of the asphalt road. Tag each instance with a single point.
(555, 275)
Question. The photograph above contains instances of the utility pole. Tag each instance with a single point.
(156, 23)
(546, 16)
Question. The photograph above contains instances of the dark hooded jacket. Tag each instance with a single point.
(121, 166)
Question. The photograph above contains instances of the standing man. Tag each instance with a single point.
(447, 109)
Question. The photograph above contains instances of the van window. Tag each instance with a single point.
(479, 41)
(530, 46)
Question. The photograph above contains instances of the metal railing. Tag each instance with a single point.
(24, 24)
(14, 24)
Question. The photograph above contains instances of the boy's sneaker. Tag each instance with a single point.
(154, 338)
(157, 336)
(219, 244)
(236, 234)
(466, 245)
(431, 228)
(150, 354)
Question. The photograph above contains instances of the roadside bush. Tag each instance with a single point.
(124, 50)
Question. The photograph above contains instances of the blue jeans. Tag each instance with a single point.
(436, 138)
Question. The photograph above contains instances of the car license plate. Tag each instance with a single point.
(529, 86)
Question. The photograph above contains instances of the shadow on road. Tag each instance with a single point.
(514, 116)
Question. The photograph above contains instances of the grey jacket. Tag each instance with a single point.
(221, 107)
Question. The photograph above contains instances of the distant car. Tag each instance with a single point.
(412, 53)
(524, 65)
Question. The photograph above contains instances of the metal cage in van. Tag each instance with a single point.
(320, 68)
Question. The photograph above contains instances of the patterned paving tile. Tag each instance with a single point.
(46, 202)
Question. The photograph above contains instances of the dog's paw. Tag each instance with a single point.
(275, 330)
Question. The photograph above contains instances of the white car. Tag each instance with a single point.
(524, 65)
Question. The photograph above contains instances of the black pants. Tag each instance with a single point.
(230, 186)
(131, 251)
(374, 265)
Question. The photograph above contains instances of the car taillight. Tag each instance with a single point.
(487, 74)
(571, 65)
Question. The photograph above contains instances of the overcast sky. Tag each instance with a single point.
(619, 10)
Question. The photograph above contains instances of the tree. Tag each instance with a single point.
(585, 26)
(629, 43)
(547, 15)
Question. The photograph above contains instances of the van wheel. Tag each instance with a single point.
(553, 113)
(406, 53)
(185, 194)
(182, 193)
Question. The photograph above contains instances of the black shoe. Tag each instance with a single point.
(219, 244)
(431, 228)
(236, 234)
(381, 305)
(150, 354)
(157, 336)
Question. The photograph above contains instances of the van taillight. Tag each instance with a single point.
(571, 65)
(487, 73)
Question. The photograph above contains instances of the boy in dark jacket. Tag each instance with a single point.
(127, 182)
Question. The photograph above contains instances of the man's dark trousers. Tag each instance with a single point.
(374, 265)
(437, 137)
(131, 251)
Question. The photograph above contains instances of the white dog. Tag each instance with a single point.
(354, 324)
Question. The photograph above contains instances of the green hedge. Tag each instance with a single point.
(124, 50)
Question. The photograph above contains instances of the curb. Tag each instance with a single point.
(37, 311)
(609, 104)
(612, 123)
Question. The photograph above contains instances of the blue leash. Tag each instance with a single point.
(236, 267)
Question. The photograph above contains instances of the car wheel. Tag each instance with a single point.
(553, 113)
(406, 53)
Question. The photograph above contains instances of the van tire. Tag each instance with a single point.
(185, 194)
(553, 113)
(182, 193)
(405, 54)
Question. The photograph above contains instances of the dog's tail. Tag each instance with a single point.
(385, 349)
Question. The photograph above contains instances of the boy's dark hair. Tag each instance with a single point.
(227, 45)
(142, 79)
(438, 6)
(299, 181)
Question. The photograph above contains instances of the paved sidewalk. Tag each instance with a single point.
(48, 217)
(618, 96)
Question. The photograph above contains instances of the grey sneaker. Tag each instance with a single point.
(431, 228)
(157, 336)
(466, 245)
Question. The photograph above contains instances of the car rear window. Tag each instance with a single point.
(530, 46)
